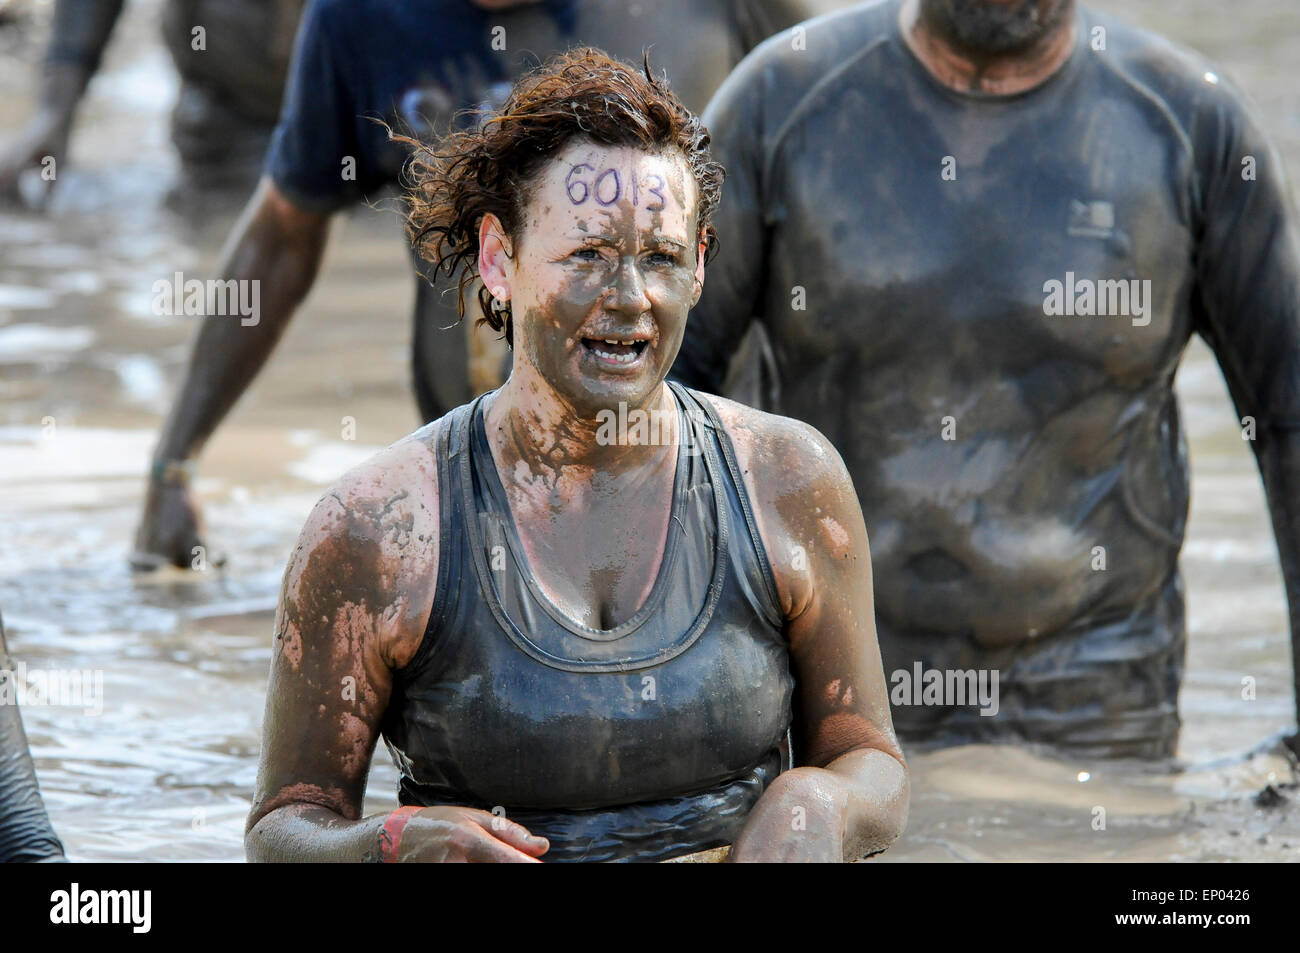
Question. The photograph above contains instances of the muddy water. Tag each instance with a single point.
(165, 771)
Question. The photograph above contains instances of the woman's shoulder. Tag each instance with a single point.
(394, 485)
(373, 538)
(782, 452)
(803, 500)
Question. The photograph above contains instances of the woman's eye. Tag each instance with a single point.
(663, 258)
(586, 254)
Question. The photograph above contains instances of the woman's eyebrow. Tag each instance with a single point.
(604, 238)
(588, 236)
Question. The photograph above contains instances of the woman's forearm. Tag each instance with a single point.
(309, 833)
(854, 807)
(875, 811)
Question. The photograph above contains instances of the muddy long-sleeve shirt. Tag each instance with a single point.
(982, 301)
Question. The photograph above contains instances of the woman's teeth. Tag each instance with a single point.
(616, 350)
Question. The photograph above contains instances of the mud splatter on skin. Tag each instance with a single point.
(594, 516)
(356, 595)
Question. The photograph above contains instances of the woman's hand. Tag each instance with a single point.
(464, 835)
(799, 819)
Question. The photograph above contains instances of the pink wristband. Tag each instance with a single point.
(391, 834)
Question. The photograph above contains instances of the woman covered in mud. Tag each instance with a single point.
(594, 615)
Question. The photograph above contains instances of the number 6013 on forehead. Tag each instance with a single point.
(606, 187)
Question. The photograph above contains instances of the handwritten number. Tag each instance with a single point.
(579, 191)
(655, 191)
(618, 187)
(569, 183)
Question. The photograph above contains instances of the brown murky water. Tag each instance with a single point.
(165, 771)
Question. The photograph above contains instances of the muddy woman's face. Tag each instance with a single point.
(604, 271)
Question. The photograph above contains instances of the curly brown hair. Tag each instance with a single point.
(493, 167)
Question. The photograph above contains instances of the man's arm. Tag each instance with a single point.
(279, 246)
(314, 167)
(79, 33)
(734, 279)
(756, 21)
(1247, 308)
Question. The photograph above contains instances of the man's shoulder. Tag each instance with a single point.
(1177, 77)
(771, 87)
(806, 50)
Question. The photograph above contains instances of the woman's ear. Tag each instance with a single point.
(699, 272)
(495, 267)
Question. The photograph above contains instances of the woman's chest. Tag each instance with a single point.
(490, 722)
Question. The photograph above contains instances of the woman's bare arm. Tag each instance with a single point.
(356, 599)
(847, 796)
(356, 596)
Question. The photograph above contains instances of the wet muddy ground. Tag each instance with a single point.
(165, 771)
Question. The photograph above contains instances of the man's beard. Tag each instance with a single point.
(984, 28)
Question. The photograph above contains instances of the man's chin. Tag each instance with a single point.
(981, 27)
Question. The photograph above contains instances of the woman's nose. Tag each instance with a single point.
(629, 288)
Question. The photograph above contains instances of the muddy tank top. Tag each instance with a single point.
(642, 742)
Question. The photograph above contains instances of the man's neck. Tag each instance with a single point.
(991, 74)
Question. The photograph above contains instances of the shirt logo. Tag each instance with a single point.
(1091, 219)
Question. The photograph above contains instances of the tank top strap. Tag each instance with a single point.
(752, 562)
(451, 451)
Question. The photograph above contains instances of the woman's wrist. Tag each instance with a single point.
(390, 834)
(312, 833)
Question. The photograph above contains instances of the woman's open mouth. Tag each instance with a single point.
(615, 352)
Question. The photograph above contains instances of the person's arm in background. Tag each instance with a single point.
(751, 375)
(756, 21)
(726, 309)
(25, 831)
(279, 246)
(79, 33)
(278, 242)
(1247, 308)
